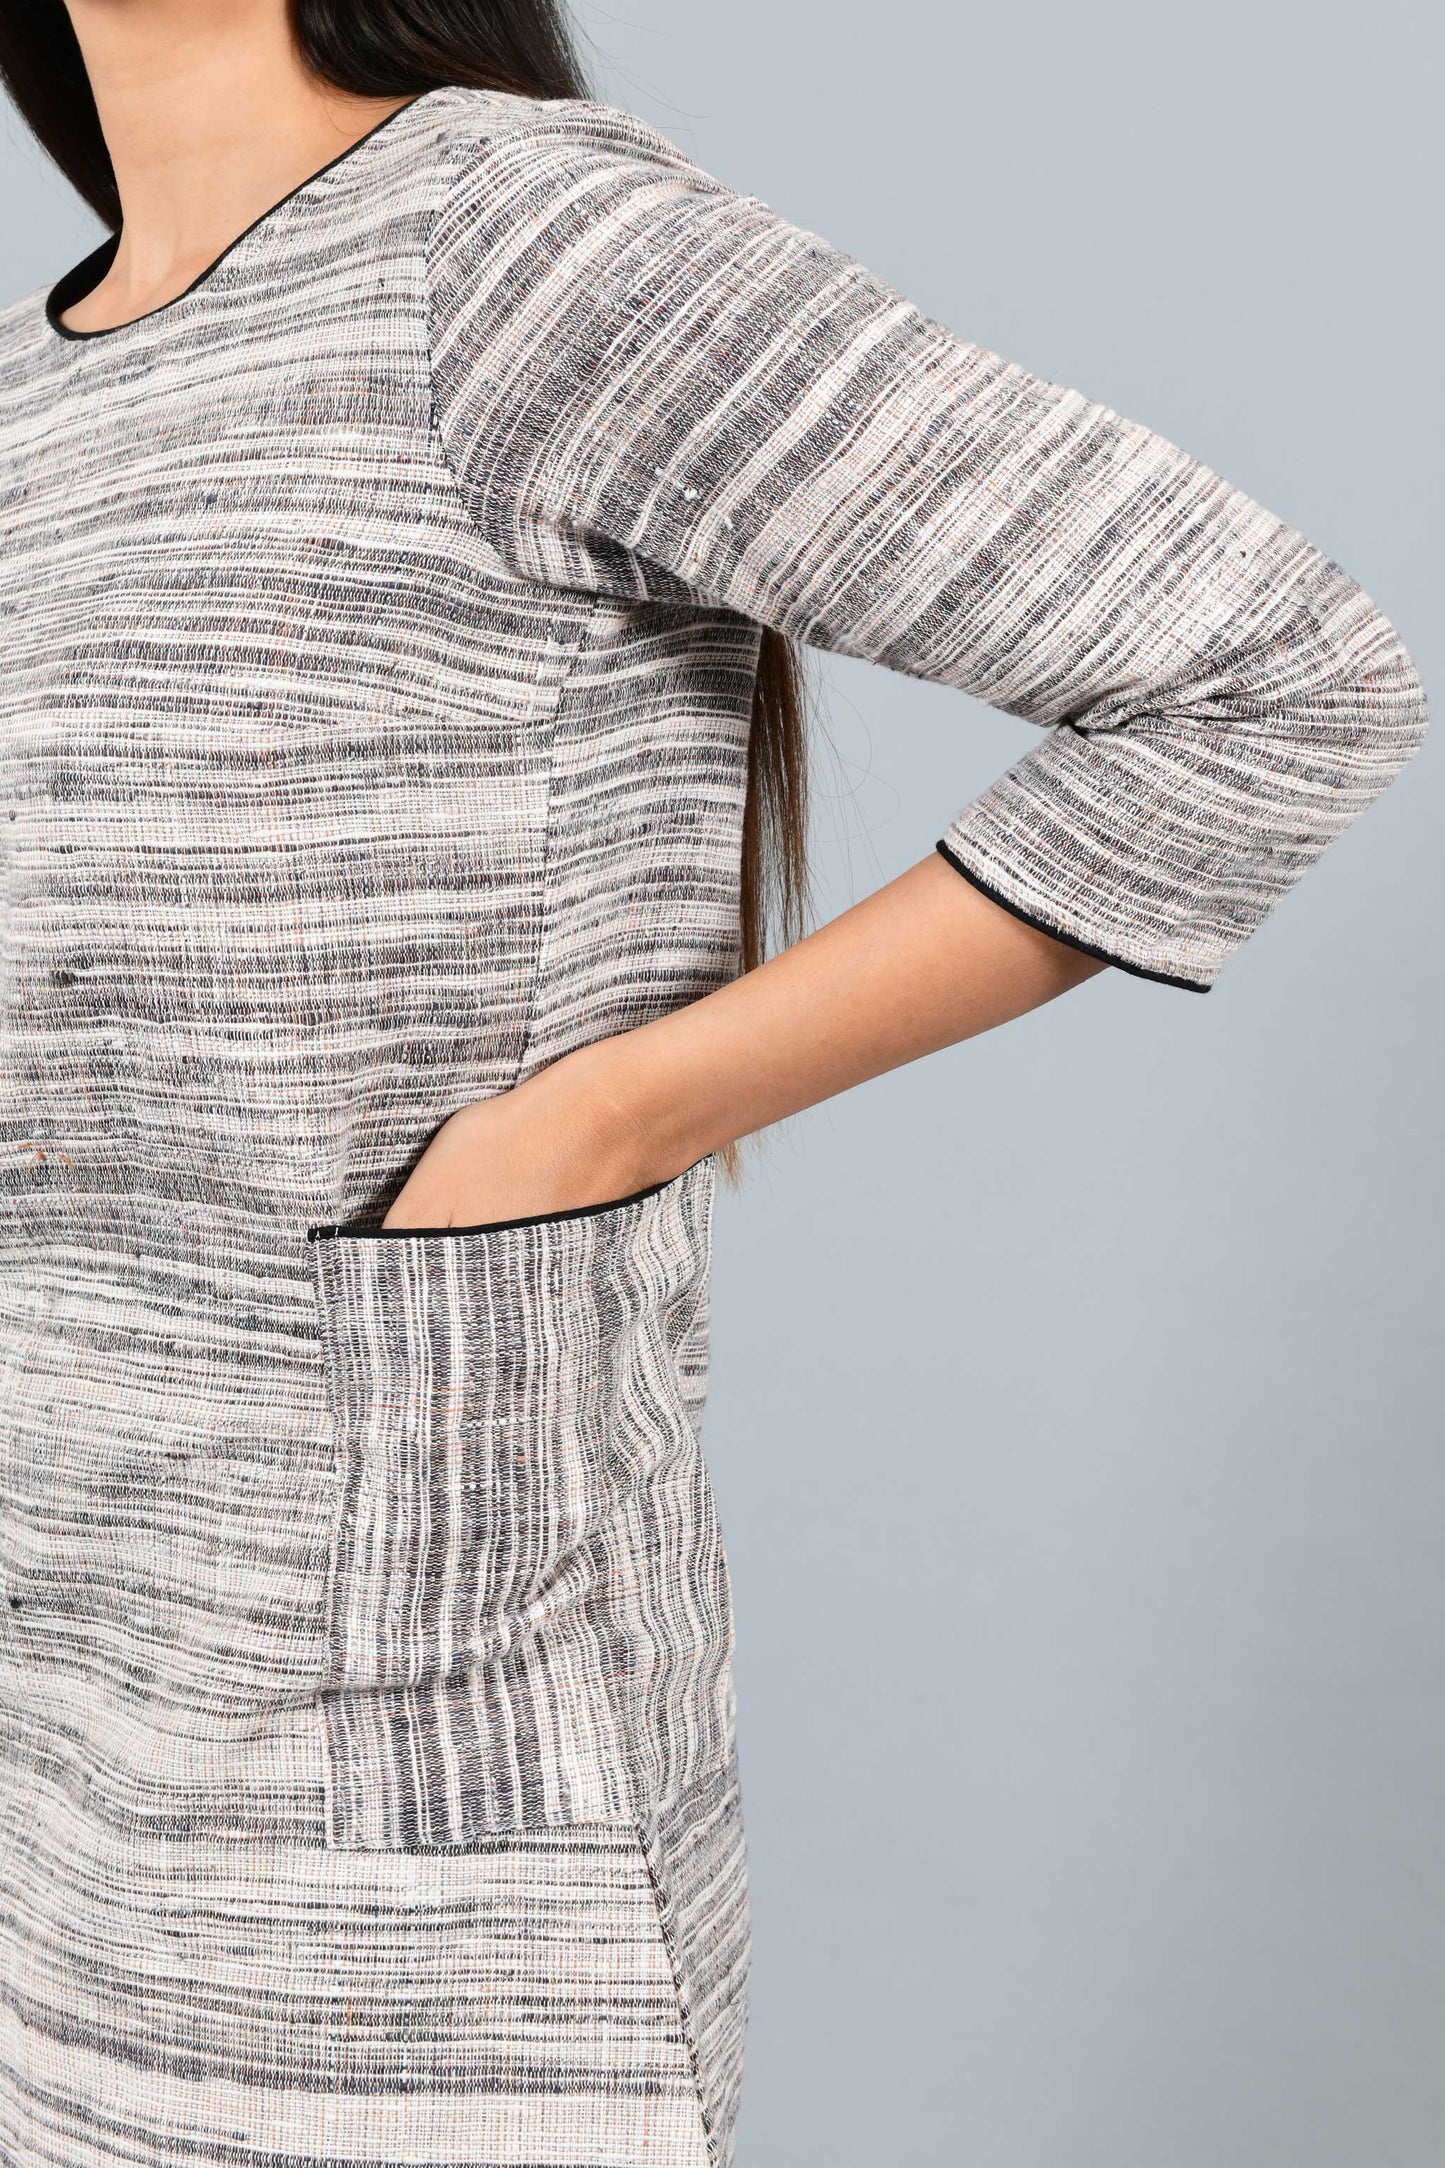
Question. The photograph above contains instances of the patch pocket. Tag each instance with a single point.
(528, 1618)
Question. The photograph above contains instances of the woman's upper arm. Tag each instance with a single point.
(651, 385)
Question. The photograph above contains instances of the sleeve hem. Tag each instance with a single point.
(1056, 933)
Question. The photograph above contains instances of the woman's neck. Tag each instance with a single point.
(210, 117)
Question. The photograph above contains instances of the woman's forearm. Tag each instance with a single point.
(921, 964)
(926, 961)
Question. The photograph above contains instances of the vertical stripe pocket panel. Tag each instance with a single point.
(529, 1619)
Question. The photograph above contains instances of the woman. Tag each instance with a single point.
(407, 512)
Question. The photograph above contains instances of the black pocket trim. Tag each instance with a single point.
(360, 1231)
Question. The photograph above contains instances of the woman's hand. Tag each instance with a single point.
(564, 1138)
(926, 961)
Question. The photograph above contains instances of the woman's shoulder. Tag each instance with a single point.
(482, 134)
(521, 183)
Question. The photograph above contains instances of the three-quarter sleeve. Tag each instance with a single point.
(650, 385)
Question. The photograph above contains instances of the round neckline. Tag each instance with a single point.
(82, 278)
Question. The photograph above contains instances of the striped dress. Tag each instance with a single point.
(380, 623)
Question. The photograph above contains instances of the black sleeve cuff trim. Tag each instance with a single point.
(1085, 948)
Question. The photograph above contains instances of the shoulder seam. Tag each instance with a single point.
(449, 177)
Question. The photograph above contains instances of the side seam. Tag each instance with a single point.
(684, 2004)
(582, 640)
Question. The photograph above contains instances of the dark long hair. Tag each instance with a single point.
(400, 48)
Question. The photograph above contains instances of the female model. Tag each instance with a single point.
(405, 514)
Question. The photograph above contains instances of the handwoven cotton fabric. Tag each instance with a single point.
(380, 626)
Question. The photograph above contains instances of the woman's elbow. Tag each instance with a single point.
(1347, 693)
(1410, 702)
(1387, 691)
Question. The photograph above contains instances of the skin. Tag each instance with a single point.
(212, 117)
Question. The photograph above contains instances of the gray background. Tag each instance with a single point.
(1077, 1403)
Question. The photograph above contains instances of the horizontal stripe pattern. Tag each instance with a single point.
(190, 2006)
(650, 384)
(381, 621)
(317, 821)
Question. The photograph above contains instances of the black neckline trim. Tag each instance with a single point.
(82, 278)
(362, 1233)
(1085, 948)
